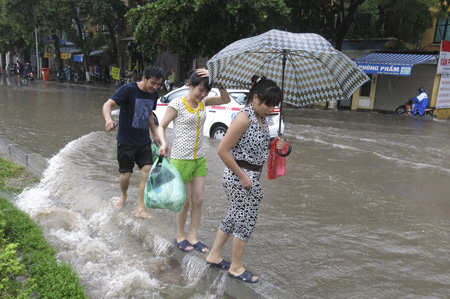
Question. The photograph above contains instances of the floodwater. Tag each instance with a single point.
(363, 211)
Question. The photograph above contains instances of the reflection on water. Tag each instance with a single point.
(362, 213)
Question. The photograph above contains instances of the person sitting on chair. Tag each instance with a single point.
(420, 102)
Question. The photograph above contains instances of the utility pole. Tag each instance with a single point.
(38, 68)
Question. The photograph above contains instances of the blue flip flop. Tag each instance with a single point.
(222, 265)
(183, 245)
(245, 277)
(199, 246)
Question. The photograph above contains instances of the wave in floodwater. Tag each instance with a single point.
(115, 254)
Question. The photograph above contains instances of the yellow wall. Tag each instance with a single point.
(427, 39)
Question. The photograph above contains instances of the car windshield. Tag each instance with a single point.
(239, 97)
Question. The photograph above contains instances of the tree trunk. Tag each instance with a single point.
(59, 62)
(114, 50)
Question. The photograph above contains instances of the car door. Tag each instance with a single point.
(164, 101)
(219, 117)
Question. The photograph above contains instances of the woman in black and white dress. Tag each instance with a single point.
(244, 150)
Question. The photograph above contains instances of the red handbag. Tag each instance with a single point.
(276, 164)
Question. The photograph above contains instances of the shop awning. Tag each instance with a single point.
(79, 57)
(391, 64)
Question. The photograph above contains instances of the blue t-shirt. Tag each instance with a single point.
(136, 107)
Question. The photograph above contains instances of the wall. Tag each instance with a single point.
(427, 39)
(393, 91)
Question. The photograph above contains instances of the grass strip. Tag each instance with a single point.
(28, 265)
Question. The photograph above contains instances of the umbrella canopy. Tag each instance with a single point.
(305, 65)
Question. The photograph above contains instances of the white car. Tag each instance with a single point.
(218, 117)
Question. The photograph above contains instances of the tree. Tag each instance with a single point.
(56, 18)
(202, 27)
(51, 17)
(111, 14)
(330, 18)
(17, 31)
(78, 33)
(405, 20)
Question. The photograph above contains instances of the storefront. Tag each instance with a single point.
(395, 78)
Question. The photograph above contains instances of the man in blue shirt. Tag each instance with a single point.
(420, 102)
(137, 100)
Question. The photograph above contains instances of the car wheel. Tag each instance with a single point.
(218, 132)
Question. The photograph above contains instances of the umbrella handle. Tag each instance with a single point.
(287, 153)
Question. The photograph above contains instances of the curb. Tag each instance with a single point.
(34, 162)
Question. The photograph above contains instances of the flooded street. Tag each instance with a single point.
(363, 211)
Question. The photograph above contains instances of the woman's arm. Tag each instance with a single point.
(224, 96)
(169, 116)
(237, 128)
(223, 99)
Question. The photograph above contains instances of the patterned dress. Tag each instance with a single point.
(243, 209)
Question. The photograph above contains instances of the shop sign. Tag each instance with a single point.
(115, 73)
(444, 58)
(385, 69)
(443, 97)
(66, 55)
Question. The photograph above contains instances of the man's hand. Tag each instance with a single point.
(157, 140)
(110, 125)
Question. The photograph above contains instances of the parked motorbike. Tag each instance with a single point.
(101, 76)
(79, 75)
(12, 69)
(28, 77)
(94, 78)
(61, 77)
(408, 109)
(166, 85)
(123, 80)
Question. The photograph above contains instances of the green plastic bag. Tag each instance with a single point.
(164, 188)
(155, 149)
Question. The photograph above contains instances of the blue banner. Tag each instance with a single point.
(78, 58)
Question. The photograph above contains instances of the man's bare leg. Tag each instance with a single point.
(124, 183)
(140, 210)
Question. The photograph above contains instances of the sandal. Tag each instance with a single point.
(222, 265)
(245, 277)
(183, 245)
(199, 246)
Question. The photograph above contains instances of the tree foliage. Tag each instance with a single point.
(19, 18)
(16, 24)
(402, 19)
(201, 27)
(192, 28)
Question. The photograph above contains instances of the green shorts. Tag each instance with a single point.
(191, 168)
